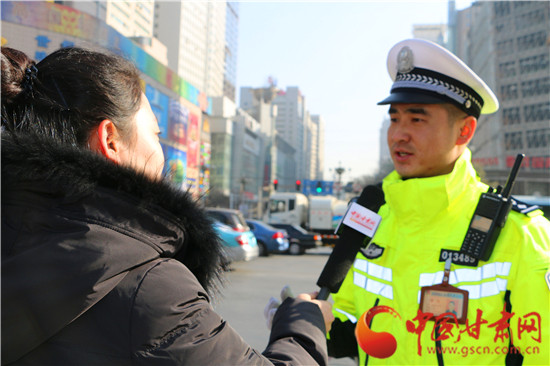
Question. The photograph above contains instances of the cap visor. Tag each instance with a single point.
(416, 97)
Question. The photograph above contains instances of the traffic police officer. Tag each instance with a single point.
(431, 195)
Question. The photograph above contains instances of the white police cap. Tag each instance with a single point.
(424, 72)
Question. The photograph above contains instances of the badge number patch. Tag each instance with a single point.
(373, 251)
(458, 257)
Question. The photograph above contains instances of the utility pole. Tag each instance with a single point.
(339, 171)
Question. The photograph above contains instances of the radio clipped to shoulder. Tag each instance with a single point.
(489, 217)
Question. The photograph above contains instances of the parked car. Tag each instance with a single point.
(229, 217)
(270, 239)
(238, 246)
(300, 239)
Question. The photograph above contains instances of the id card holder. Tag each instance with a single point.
(444, 299)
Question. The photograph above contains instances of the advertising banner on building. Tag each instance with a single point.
(193, 146)
(159, 104)
(175, 166)
(178, 121)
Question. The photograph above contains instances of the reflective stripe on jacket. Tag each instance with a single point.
(422, 216)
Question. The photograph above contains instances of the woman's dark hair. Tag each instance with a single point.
(68, 93)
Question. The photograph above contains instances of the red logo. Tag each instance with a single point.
(375, 344)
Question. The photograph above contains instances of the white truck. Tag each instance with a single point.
(320, 214)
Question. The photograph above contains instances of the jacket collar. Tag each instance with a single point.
(421, 199)
(76, 177)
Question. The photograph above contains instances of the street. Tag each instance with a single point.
(250, 285)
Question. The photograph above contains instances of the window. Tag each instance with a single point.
(533, 64)
(277, 206)
(532, 40)
(501, 8)
(509, 92)
(507, 69)
(535, 87)
(537, 112)
(510, 116)
(513, 140)
(538, 138)
(291, 204)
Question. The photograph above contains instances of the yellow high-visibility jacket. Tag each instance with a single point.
(420, 218)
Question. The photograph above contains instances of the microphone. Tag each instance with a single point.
(347, 246)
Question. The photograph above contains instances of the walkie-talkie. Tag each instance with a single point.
(489, 218)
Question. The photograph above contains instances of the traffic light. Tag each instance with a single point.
(275, 183)
(298, 185)
(319, 188)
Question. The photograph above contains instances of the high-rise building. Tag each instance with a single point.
(506, 43)
(317, 147)
(432, 32)
(292, 125)
(39, 28)
(231, 48)
(258, 103)
(294, 139)
(132, 19)
(238, 158)
(129, 18)
(195, 34)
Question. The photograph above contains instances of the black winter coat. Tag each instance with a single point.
(102, 266)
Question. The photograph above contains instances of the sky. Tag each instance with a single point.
(335, 52)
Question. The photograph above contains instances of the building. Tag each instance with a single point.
(432, 32)
(293, 138)
(231, 49)
(39, 28)
(316, 147)
(292, 126)
(246, 164)
(221, 127)
(132, 19)
(257, 102)
(506, 43)
(237, 176)
(195, 34)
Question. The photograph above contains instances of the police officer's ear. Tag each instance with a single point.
(467, 128)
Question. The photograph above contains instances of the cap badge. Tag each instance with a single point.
(468, 104)
(405, 60)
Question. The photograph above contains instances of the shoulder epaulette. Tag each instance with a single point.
(523, 207)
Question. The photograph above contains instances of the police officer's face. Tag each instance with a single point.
(421, 140)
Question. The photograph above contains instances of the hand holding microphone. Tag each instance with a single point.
(273, 304)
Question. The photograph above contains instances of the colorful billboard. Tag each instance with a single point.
(159, 104)
(178, 121)
(175, 166)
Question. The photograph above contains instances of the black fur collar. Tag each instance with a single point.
(77, 172)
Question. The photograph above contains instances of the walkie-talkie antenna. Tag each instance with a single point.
(512, 177)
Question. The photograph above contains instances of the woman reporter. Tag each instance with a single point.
(102, 261)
